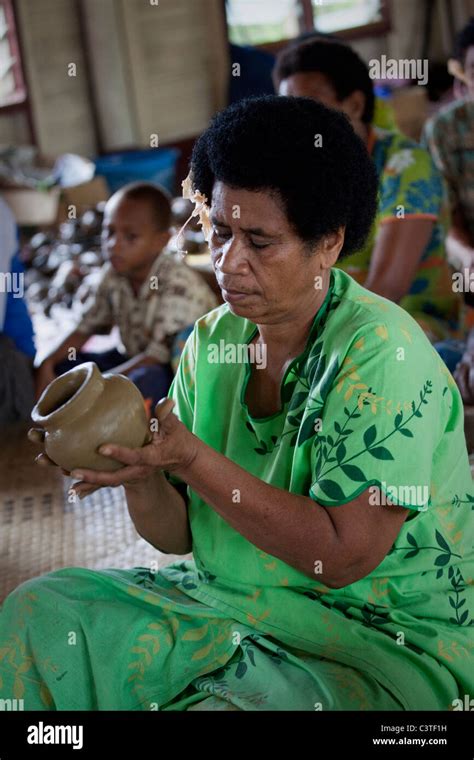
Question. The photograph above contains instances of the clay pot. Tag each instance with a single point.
(83, 409)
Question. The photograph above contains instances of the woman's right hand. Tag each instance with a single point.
(81, 489)
(134, 478)
(36, 435)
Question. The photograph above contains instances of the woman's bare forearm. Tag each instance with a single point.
(334, 546)
(288, 526)
(160, 514)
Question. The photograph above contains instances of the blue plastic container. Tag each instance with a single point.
(156, 165)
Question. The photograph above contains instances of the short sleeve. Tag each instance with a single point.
(182, 390)
(183, 300)
(157, 348)
(172, 315)
(381, 420)
(410, 186)
(97, 311)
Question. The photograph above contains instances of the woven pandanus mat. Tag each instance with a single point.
(42, 530)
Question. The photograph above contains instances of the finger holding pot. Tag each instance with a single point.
(172, 448)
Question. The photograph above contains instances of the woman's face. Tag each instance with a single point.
(262, 266)
(317, 86)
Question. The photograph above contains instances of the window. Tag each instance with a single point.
(333, 16)
(12, 87)
(268, 23)
(254, 23)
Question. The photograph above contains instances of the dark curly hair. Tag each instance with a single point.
(339, 63)
(268, 143)
(464, 40)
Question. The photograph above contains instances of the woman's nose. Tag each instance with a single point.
(232, 257)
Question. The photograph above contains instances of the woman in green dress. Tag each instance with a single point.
(311, 456)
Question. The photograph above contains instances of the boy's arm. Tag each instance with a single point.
(140, 360)
(96, 314)
(75, 340)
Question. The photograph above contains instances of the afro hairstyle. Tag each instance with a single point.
(271, 143)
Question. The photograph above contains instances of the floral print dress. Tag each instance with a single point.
(367, 405)
(411, 187)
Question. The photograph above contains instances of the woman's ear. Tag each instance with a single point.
(330, 248)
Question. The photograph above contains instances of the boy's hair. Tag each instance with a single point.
(464, 40)
(157, 197)
(345, 70)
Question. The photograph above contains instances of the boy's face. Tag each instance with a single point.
(130, 238)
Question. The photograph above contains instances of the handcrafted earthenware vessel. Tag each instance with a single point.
(83, 409)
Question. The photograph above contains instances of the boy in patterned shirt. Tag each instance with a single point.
(143, 290)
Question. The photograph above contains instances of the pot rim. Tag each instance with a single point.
(87, 370)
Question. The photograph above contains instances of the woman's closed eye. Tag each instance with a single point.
(259, 245)
(223, 236)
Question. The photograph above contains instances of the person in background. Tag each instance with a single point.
(143, 290)
(449, 137)
(17, 347)
(404, 258)
(384, 115)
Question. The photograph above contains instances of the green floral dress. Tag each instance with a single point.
(368, 403)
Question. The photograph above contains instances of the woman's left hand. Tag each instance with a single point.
(172, 448)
